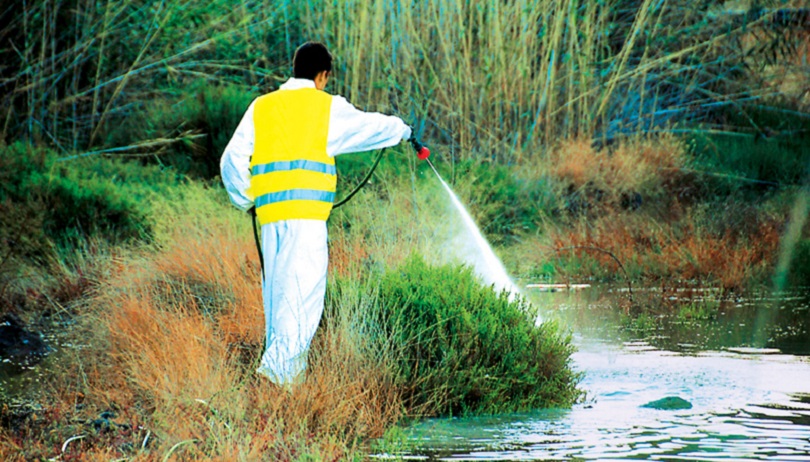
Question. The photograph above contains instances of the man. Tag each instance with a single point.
(281, 160)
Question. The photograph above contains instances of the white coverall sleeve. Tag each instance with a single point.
(352, 130)
(235, 162)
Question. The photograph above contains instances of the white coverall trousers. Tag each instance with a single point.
(295, 261)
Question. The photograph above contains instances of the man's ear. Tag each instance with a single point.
(320, 80)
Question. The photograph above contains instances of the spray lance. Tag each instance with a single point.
(422, 153)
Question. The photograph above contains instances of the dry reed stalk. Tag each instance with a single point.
(82, 66)
(486, 78)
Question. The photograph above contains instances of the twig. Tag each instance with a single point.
(70, 440)
(146, 144)
(599, 249)
(146, 439)
(721, 175)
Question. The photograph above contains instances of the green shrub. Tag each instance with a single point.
(467, 349)
(777, 153)
(22, 232)
(799, 275)
(56, 201)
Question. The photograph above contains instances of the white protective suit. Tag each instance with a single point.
(295, 251)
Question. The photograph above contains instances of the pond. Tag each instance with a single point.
(738, 365)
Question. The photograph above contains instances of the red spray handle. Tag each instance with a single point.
(422, 151)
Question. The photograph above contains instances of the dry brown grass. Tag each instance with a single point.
(680, 251)
(674, 236)
(173, 337)
(631, 164)
(604, 176)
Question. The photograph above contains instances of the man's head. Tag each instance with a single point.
(312, 61)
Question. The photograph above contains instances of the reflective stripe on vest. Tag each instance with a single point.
(292, 177)
(294, 165)
(293, 195)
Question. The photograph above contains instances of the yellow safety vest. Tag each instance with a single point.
(292, 177)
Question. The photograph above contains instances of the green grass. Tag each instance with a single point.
(79, 198)
(62, 220)
(192, 125)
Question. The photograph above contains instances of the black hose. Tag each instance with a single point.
(341, 202)
(256, 237)
(363, 182)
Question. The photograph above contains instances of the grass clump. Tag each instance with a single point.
(624, 176)
(61, 219)
(173, 334)
(79, 198)
(467, 349)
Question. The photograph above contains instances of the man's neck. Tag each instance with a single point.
(295, 84)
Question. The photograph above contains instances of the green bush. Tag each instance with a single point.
(799, 275)
(49, 200)
(777, 153)
(467, 349)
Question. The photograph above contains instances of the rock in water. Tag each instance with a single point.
(18, 344)
(670, 403)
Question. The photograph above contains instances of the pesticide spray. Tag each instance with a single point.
(474, 250)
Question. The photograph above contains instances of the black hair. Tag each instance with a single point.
(311, 59)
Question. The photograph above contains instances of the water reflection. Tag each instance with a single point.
(745, 407)
(687, 319)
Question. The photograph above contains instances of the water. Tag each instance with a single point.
(747, 403)
(470, 246)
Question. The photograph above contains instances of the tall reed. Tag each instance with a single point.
(505, 79)
(75, 69)
(486, 78)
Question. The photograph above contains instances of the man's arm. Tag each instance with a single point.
(235, 162)
(352, 130)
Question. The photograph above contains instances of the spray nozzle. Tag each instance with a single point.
(422, 151)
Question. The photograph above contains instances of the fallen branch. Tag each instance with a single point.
(599, 249)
